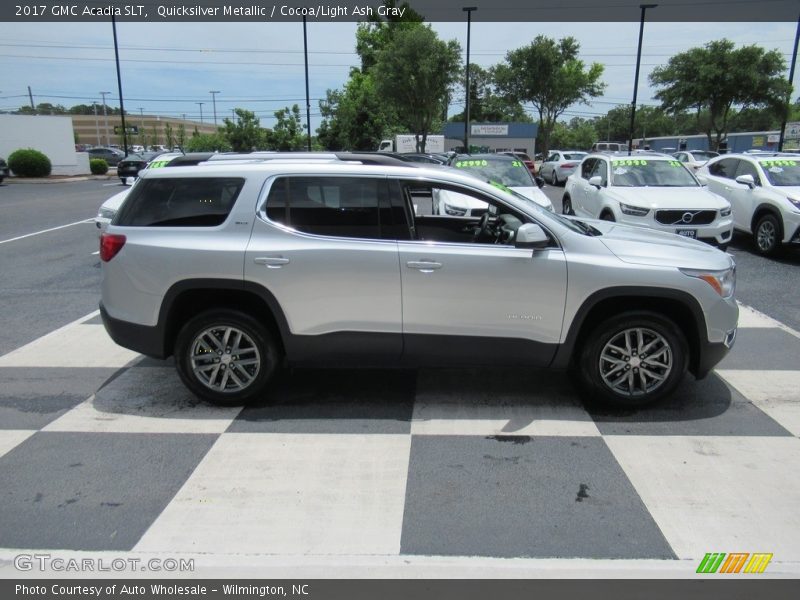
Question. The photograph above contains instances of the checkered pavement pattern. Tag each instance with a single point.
(104, 450)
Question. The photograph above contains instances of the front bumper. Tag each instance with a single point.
(717, 233)
(710, 354)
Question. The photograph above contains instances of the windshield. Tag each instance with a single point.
(512, 173)
(782, 172)
(575, 155)
(639, 172)
(570, 223)
(704, 155)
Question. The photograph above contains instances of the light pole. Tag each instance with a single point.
(468, 10)
(214, 102)
(200, 104)
(96, 123)
(644, 8)
(308, 102)
(105, 114)
(119, 88)
(791, 79)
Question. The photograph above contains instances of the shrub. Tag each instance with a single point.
(98, 166)
(28, 162)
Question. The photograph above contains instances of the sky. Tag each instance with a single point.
(168, 68)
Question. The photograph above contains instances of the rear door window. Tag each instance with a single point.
(724, 168)
(180, 202)
(351, 207)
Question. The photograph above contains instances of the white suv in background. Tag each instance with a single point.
(655, 191)
(764, 192)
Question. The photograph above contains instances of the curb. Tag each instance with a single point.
(42, 180)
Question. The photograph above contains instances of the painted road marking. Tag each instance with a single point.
(27, 235)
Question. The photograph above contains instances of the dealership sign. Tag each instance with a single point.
(490, 130)
(792, 131)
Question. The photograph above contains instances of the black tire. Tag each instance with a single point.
(723, 247)
(672, 349)
(257, 342)
(123, 180)
(553, 178)
(767, 235)
(566, 206)
(608, 216)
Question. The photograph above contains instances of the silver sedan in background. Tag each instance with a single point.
(559, 165)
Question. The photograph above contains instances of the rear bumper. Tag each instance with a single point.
(139, 338)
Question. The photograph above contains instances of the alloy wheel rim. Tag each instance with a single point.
(225, 359)
(635, 362)
(766, 235)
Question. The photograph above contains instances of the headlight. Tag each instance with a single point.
(794, 201)
(723, 282)
(725, 212)
(454, 211)
(636, 211)
(107, 213)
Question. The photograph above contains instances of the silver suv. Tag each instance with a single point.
(239, 269)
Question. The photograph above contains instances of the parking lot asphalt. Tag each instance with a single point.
(103, 451)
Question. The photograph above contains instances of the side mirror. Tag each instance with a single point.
(531, 235)
(596, 181)
(539, 181)
(746, 180)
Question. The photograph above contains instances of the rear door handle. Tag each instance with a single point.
(272, 262)
(424, 266)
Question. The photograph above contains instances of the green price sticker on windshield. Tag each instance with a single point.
(779, 163)
(158, 164)
(471, 163)
(674, 163)
(629, 162)
(516, 163)
(500, 186)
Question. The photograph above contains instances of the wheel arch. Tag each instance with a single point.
(678, 306)
(188, 298)
(763, 209)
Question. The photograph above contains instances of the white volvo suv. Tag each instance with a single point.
(652, 190)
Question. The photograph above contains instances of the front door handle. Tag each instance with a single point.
(425, 266)
(271, 262)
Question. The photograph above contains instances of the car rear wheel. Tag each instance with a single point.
(633, 359)
(226, 357)
(768, 235)
(554, 178)
(566, 206)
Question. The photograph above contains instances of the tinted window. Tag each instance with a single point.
(575, 155)
(552, 158)
(180, 202)
(600, 169)
(748, 168)
(335, 206)
(724, 168)
(587, 166)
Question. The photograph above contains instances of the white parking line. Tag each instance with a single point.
(27, 235)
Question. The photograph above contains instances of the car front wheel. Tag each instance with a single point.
(768, 235)
(226, 357)
(633, 359)
(566, 206)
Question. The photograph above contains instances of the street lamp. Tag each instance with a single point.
(791, 79)
(468, 10)
(214, 101)
(96, 124)
(200, 104)
(308, 102)
(644, 8)
(119, 87)
(105, 114)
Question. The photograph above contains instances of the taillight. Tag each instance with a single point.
(568, 165)
(110, 244)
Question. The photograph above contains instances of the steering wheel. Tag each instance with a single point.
(482, 228)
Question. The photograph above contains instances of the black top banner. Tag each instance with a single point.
(531, 11)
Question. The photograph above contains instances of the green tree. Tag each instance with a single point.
(485, 103)
(181, 136)
(288, 133)
(414, 74)
(244, 134)
(549, 75)
(169, 136)
(718, 77)
(356, 117)
(208, 142)
(377, 33)
(578, 134)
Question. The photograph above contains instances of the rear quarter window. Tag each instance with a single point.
(180, 202)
